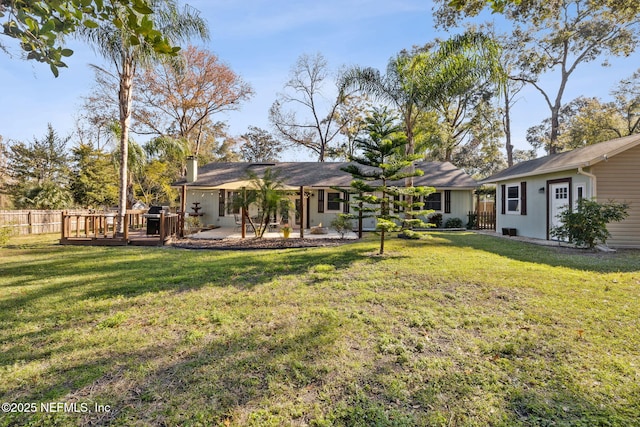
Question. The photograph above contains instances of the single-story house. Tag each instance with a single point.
(209, 189)
(531, 194)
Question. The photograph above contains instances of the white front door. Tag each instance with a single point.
(559, 195)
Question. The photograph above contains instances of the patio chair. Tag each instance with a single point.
(238, 221)
(274, 224)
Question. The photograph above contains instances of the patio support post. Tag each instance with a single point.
(360, 217)
(163, 230)
(127, 218)
(301, 212)
(63, 225)
(183, 209)
(477, 224)
(243, 213)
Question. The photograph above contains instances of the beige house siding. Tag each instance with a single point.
(619, 180)
(208, 200)
(461, 204)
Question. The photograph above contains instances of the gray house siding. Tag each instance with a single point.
(535, 221)
(607, 171)
(318, 180)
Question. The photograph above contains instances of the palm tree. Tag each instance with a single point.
(128, 52)
(397, 87)
(415, 81)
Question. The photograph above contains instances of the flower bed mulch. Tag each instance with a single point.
(253, 243)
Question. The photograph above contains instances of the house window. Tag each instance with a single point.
(513, 199)
(433, 202)
(233, 195)
(580, 193)
(397, 208)
(333, 201)
(221, 202)
(346, 207)
(562, 193)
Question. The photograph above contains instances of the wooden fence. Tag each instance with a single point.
(482, 220)
(23, 222)
(33, 221)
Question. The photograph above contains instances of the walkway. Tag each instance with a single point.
(542, 242)
(233, 233)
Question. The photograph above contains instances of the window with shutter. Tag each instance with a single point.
(433, 202)
(447, 201)
(333, 201)
(523, 198)
(320, 201)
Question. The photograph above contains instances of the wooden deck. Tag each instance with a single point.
(100, 230)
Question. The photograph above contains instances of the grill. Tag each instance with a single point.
(153, 220)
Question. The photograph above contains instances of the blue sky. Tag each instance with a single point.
(261, 40)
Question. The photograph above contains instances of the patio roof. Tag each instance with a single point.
(251, 185)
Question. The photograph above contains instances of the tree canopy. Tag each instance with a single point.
(557, 37)
(383, 161)
(317, 127)
(41, 25)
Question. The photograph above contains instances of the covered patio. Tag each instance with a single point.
(233, 233)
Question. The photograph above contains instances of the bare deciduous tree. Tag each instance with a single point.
(303, 115)
(179, 99)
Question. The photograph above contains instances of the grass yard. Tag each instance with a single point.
(451, 330)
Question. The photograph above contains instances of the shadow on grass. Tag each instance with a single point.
(203, 382)
(278, 364)
(130, 272)
(578, 259)
(508, 390)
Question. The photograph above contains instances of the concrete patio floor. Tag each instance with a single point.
(234, 233)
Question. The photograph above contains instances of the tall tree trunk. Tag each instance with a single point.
(555, 109)
(555, 125)
(409, 150)
(507, 129)
(124, 98)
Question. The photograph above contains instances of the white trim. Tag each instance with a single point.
(326, 199)
(441, 210)
(519, 199)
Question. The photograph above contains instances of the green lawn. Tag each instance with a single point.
(451, 330)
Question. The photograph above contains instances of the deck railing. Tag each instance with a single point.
(170, 226)
(100, 228)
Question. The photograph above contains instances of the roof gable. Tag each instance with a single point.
(580, 157)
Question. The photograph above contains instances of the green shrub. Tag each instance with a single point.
(5, 234)
(587, 225)
(192, 224)
(453, 223)
(435, 219)
(409, 234)
(473, 221)
(342, 224)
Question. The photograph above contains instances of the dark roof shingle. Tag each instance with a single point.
(580, 157)
(325, 174)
